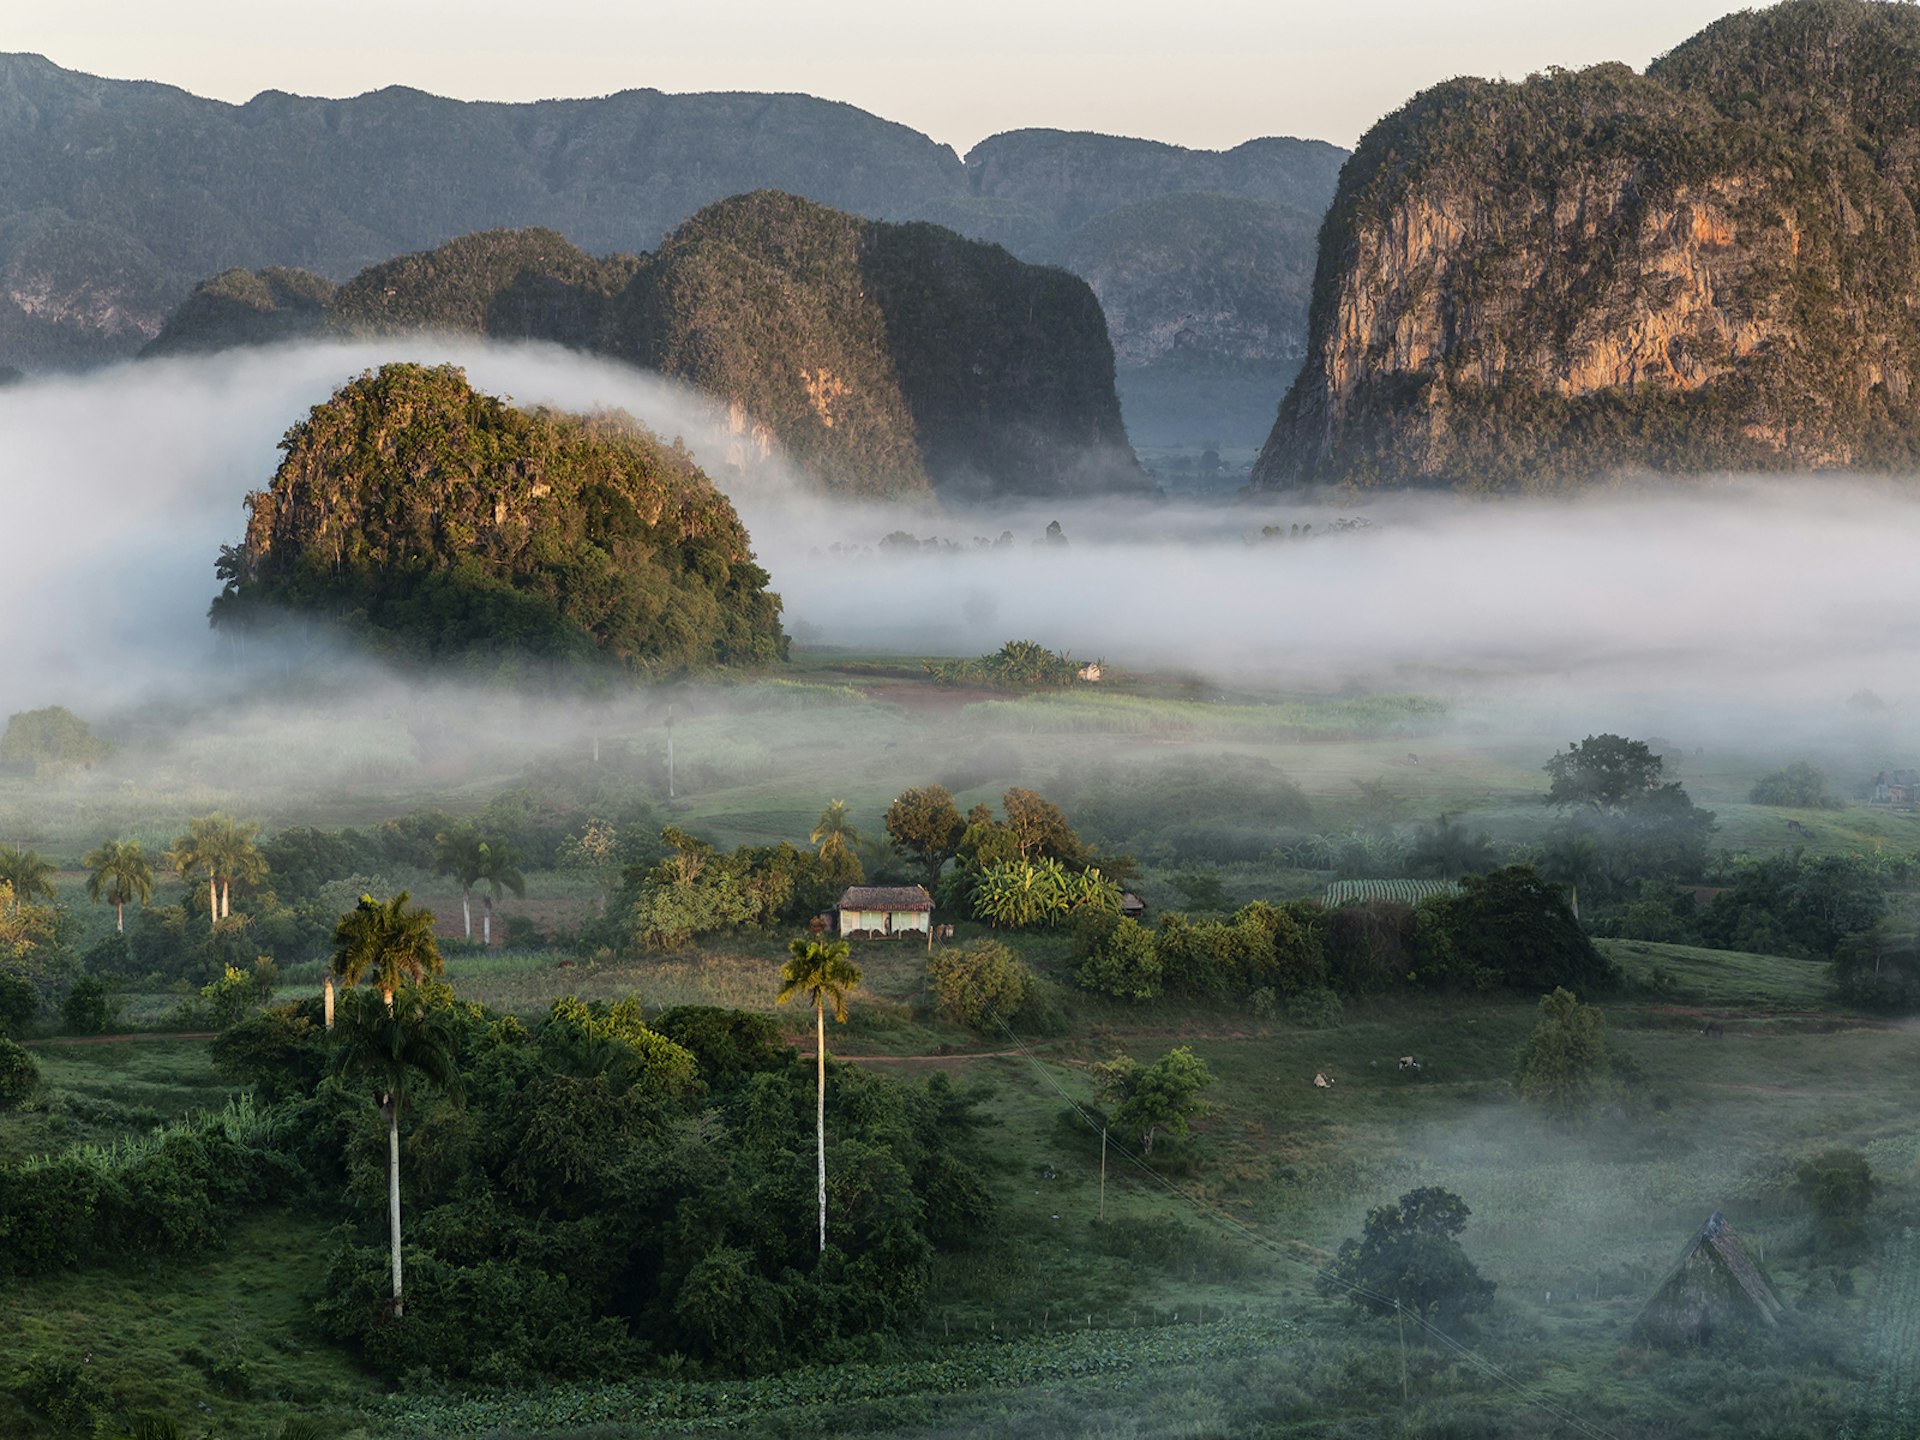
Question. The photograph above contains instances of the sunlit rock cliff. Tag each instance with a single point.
(883, 360)
(1713, 266)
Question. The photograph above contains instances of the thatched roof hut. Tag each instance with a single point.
(1716, 1286)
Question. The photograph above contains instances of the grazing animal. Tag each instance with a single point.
(1322, 1082)
(1412, 759)
(1796, 825)
(1713, 1028)
(1407, 1062)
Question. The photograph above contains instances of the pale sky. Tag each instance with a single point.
(1206, 73)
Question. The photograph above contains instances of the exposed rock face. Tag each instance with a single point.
(1711, 267)
(883, 360)
(116, 196)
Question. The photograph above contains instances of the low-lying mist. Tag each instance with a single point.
(1780, 598)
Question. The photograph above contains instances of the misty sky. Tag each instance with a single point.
(1206, 73)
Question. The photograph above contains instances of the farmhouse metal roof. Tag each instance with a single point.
(885, 897)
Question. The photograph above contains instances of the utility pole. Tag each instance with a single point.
(1399, 1316)
(669, 752)
(1103, 1174)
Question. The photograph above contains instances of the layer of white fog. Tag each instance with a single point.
(1771, 597)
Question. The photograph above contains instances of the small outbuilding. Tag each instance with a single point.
(1716, 1287)
(1132, 907)
(880, 912)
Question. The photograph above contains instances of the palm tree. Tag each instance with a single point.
(388, 1044)
(240, 859)
(457, 853)
(386, 942)
(834, 834)
(120, 874)
(500, 868)
(823, 974)
(28, 872)
(1571, 859)
(223, 849)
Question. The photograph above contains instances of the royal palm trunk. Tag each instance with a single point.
(393, 1192)
(820, 1114)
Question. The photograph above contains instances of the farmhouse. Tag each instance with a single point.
(1899, 788)
(1715, 1288)
(877, 912)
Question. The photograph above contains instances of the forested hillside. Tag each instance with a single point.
(447, 526)
(1712, 266)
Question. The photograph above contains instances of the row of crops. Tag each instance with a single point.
(1405, 892)
(689, 1406)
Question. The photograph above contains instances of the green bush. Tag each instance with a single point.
(1408, 1256)
(1122, 961)
(90, 1006)
(18, 1074)
(66, 1392)
(1316, 1008)
(978, 982)
(19, 1002)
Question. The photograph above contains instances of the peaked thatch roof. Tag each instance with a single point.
(1716, 1286)
(885, 897)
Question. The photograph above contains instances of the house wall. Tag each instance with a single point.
(904, 921)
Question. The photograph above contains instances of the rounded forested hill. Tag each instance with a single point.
(444, 524)
(245, 307)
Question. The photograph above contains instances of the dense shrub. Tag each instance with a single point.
(1409, 1256)
(976, 983)
(89, 1007)
(1121, 960)
(18, 1074)
(1798, 785)
(172, 1192)
(19, 1002)
(1508, 928)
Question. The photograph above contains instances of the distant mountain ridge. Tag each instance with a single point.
(883, 360)
(117, 196)
(1714, 266)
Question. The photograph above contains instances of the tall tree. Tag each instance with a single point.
(456, 852)
(390, 1044)
(1604, 772)
(1564, 1061)
(925, 826)
(237, 857)
(836, 836)
(387, 942)
(824, 975)
(29, 873)
(224, 850)
(197, 853)
(500, 869)
(120, 874)
(1039, 827)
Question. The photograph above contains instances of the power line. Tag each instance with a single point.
(1289, 1251)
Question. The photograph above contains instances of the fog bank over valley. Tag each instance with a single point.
(1775, 596)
